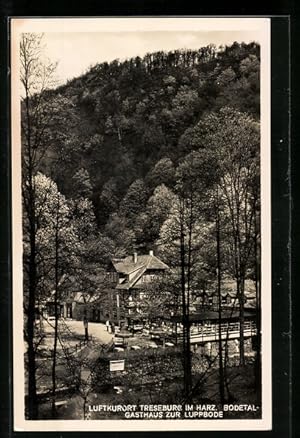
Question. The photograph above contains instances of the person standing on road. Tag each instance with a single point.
(113, 327)
(107, 325)
(85, 325)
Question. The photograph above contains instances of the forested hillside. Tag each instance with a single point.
(119, 134)
(159, 153)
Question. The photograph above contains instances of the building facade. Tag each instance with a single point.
(129, 276)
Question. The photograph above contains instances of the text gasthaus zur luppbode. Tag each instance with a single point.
(172, 411)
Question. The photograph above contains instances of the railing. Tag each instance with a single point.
(199, 334)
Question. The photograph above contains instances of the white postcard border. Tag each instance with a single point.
(261, 27)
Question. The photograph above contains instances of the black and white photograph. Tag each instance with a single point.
(141, 223)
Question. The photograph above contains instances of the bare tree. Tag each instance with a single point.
(195, 176)
(234, 139)
(36, 78)
(257, 266)
(63, 239)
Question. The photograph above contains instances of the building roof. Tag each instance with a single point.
(127, 265)
(129, 284)
(142, 263)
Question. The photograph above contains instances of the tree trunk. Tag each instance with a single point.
(258, 308)
(32, 395)
(56, 303)
(85, 322)
(241, 295)
(84, 408)
(185, 317)
(221, 369)
(240, 282)
(53, 408)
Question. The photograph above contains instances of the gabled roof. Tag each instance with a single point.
(128, 266)
(129, 284)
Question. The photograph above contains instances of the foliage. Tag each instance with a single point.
(124, 122)
(155, 152)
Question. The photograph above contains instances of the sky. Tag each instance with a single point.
(76, 52)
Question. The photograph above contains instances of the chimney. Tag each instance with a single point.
(151, 252)
(135, 256)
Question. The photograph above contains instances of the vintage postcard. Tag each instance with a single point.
(141, 224)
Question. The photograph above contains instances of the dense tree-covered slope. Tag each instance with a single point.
(124, 127)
